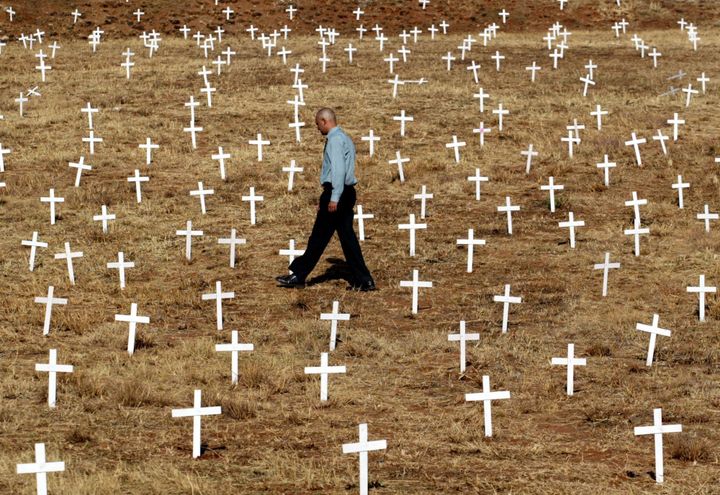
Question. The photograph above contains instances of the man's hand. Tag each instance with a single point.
(332, 206)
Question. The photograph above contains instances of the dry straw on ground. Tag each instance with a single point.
(113, 427)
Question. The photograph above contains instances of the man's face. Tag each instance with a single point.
(323, 125)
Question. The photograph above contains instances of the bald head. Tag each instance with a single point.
(325, 120)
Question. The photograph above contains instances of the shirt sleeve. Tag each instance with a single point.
(337, 168)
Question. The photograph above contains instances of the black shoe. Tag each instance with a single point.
(290, 281)
(365, 286)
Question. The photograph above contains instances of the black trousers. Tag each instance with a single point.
(326, 224)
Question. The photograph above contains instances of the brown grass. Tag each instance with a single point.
(113, 426)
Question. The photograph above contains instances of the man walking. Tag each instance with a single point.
(335, 209)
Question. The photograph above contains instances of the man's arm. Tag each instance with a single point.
(337, 171)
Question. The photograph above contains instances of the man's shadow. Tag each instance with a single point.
(338, 270)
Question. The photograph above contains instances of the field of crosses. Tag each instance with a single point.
(539, 211)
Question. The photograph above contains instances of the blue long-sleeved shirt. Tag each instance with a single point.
(338, 166)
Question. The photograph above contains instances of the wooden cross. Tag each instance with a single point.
(570, 361)
(487, 396)
(40, 468)
(49, 301)
(52, 369)
(196, 412)
(234, 347)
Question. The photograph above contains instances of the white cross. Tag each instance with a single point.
(121, 265)
(40, 468)
(185, 30)
(571, 140)
(606, 266)
(497, 58)
(487, 397)
(252, 29)
(68, 256)
(391, 59)
(636, 204)
(80, 166)
(324, 370)
(218, 296)
(470, 242)
(482, 96)
(362, 447)
(662, 138)
(675, 122)
(556, 55)
(500, 112)
(415, 284)
(104, 217)
(552, 188)
(636, 232)
(477, 179)
(482, 130)
(508, 208)
(571, 224)
(504, 15)
(334, 317)
(20, 100)
(148, 147)
(570, 361)
(689, 91)
(598, 113)
(606, 166)
(252, 199)
(200, 191)
(189, 233)
(52, 199)
(196, 412)
(192, 104)
(361, 217)
(702, 289)
(402, 119)
(209, 90)
(193, 130)
(423, 196)
(291, 170)
(654, 331)
(89, 110)
(358, 12)
(533, 69)
(137, 179)
(232, 241)
(635, 142)
(506, 299)
(221, 157)
(49, 301)
(3, 152)
(680, 185)
(657, 430)
(655, 54)
(228, 12)
(588, 82)
(396, 82)
(291, 11)
(703, 80)
(456, 145)
(707, 216)
(399, 161)
(234, 347)
(463, 337)
(371, 138)
(449, 59)
(350, 51)
(52, 369)
(132, 319)
(412, 227)
(76, 13)
(91, 140)
(259, 142)
(34, 244)
(474, 67)
(291, 252)
(127, 65)
(529, 153)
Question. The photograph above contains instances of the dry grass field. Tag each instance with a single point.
(113, 426)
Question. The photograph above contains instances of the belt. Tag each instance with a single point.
(328, 185)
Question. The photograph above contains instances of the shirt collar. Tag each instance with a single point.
(333, 130)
